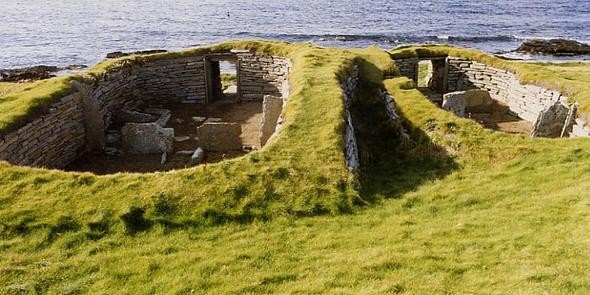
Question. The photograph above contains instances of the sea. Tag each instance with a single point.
(65, 32)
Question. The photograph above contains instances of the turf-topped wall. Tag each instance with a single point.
(53, 139)
(75, 123)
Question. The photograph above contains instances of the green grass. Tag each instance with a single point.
(228, 80)
(422, 73)
(459, 209)
(6, 88)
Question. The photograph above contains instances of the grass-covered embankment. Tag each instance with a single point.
(459, 209)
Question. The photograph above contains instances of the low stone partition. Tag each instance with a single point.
(349, 87)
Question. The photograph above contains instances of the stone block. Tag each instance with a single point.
(550, 122)
(477, 100)
(220, 136)
(272, 106)
(146, 138)
(454, 102)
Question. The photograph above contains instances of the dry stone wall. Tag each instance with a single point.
(172, 80)
(52, 140)
(408, 67)
(392, 116)
(261, 75)
(525, 101)
(349, 87)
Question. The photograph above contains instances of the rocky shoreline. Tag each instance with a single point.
(35, 73)
(42, 72)
(556, 47)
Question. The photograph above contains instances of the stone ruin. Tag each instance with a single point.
(167, 111)
(496, 98)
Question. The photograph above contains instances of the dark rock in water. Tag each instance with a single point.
(75, 67)
(559, 47)
(27, 74)
(117, 54)
(35, 73)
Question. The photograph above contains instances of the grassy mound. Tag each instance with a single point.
(459, 209)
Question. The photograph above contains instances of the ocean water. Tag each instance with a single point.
(63, 32)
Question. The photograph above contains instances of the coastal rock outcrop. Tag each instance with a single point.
(559, 47)
(35, 73)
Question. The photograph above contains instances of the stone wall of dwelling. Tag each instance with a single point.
(408, 67)
(392, 116)
(261, 75)
(525, 101)
(349, 87)
(52, 140)
(172, 80)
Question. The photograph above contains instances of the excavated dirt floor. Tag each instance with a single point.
(247, 114)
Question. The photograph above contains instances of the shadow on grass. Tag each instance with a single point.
(391, 166)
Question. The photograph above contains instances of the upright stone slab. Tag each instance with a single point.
(551, 121)
(478, 101)
(454, 102)
(220, 136)
(272, 107)
(147, 138)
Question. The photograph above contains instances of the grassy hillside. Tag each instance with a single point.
(458, 209)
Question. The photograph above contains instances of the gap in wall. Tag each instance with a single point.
(229, 82)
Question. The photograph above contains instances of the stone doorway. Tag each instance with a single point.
(222, 81)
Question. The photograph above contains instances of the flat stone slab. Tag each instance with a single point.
(181, 138)
(220, 136)
(477, 101)
(199, 120)
(454, 102)
(128, 116)
(272, 106)
(147, 138)
(551, 121)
